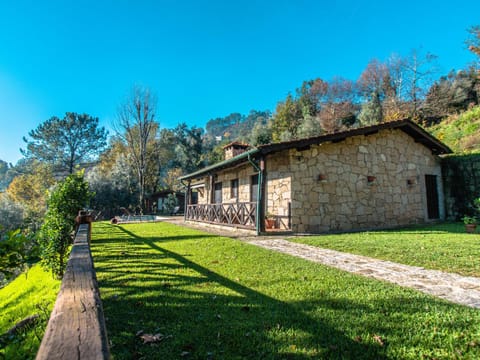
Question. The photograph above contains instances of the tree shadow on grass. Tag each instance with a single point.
(211, 316)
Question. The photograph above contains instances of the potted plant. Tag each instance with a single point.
(470, 223)
(269, 221)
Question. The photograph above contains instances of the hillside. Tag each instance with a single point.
(29, 294)
(460, 132)
(235, 126)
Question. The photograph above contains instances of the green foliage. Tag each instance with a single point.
(5, 174)
(460, 132)
(29, 190)
(309, 127)
(235, 126)
(261, 134)
(17, 252)
(286, 120)
(70, 196)
(451, 94)
(371, 112)
(444, 247)
(189, 147)
(215, 297)
(31, 294)
(66, 142)
(170, 202)
(11, 214)
(469, 220)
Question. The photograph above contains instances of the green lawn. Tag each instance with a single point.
(441, 247)
(31, 293)
(217, 298)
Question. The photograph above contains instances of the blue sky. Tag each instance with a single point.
(203, 59)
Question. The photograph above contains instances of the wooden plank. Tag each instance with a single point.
(76, 329)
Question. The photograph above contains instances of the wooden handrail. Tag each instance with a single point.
(240, 215)
(76, 329)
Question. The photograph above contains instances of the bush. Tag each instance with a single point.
(70, 196)
(170, 202)
(17, 252)
(11, 214)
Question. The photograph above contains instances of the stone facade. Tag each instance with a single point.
(233, 149)
(243, 174)
(362, 182)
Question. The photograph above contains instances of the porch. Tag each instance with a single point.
(241, 215)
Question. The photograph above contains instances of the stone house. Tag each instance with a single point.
(379, 176)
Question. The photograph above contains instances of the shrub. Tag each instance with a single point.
(17, 252)
(70, 196)
(170, 202)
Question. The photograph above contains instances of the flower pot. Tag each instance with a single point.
(269, 223)
(470, 228)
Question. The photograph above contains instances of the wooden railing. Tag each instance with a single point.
(240, 215)
(76, 329)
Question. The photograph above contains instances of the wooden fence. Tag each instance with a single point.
(76, 329)
(240, 215)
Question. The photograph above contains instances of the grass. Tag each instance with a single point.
(460, 131)
(31, 293)
(443, 246)
(217, 298)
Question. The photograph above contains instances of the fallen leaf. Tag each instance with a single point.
(150, 339)
(379, 340)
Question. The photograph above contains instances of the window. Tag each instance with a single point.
(254, 188)
(218, 193)
(234, 188)
(194, 197)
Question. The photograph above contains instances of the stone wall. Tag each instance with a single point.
(461, 177)
(343, 198)
(242, 173)
(279, 189)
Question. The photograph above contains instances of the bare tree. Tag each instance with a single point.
(137, 127)
(473, 42)
(419, 75)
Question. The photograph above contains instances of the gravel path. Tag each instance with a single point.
(455, 288)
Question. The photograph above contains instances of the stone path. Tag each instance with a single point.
(455, 288)
(452, 287)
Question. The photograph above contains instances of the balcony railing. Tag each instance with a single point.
(240, 215)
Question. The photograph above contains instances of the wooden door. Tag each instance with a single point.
(432, 196)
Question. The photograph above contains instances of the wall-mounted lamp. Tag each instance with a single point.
(411, 182)
(322, 178)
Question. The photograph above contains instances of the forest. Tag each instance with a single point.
(139, 158)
